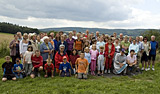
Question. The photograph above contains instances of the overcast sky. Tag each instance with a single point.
(82, 13)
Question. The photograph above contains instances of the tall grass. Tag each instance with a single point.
(4, 48)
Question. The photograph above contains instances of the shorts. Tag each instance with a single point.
(152, 56)
(63, 74)
(144, 57)
(9, 76)
(82, 76)
(35, 72)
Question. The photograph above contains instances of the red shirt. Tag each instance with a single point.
(59, 58)
(49, 68)
(37, 61)
(73, 58)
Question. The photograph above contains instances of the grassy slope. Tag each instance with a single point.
(146, 83)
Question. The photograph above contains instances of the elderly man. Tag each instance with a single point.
(125, 45)
(97, 34)
(152, 54)
(121, 36)
(120, 63)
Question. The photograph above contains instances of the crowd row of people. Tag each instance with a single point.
(78, 54)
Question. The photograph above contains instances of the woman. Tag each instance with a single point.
(59, 57)
(109, 54)
(33, 42)
(117, 46)
(23, 45)
(70, 43)
(145, 53)
(62, 41)
(78, 43)
(46, 49)
(14, 49)
(56, 40)
(39, 42)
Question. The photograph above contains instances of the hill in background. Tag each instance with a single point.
(130, 32)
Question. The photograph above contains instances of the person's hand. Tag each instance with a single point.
(130, 64)
(121, 65)
(109, 56)
(14, 44)
(33, 69)
(85, 72)
(104, 64)
(50, 52)
(77, 71)
(46, 76)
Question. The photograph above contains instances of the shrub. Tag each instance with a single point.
(4, 49)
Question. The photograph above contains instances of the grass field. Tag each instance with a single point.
(6, 37)
(145, 83)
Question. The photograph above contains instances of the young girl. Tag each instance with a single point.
(86, 44)
(109, 54)
(94, 54)
(87, 55)
(27, 60)
(101, 60)
(73, 57)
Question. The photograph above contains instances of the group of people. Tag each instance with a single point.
(77, 54)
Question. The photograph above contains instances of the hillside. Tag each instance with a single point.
(131, 32)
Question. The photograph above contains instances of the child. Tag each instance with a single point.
(82, 66)
(109, 54)
(73, 57)
(18, 69)
(94, 54)
(27, 60)
(86, 44)
(49, 68)
(65, 68)
(101, 60)
(87, 56)
(7, 68)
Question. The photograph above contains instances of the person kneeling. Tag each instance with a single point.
(132, 61)
(18, 69)
(7, 69)
(37, 62)
(82, 66)
(49, 68)
(65, 68)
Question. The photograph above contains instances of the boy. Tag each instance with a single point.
(49, 68)
(7, 68)
(65, 68)
(82, 66)
(18, 69)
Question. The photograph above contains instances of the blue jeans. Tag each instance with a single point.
(19, 76)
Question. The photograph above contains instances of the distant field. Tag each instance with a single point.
(6, 37)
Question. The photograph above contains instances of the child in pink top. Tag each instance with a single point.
(94, 54)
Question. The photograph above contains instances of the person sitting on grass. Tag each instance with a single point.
(132, 61)
(82, 66)
(49, 68)
(65, 68)
(7, 68)
(37, 62)
(18, 67)
(120, 65)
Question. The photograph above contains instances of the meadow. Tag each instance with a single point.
(145, 83)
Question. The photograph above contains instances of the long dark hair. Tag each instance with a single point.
(74, 50)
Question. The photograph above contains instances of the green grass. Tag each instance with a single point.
(146, 83)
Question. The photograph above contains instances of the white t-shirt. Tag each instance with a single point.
(131, 59)
(74, 37)
(27, 56)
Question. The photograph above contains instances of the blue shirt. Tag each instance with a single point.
(56, 45)
(154, 46)
(65, 67)
(17, 67)
(140, 44)
(88, 57)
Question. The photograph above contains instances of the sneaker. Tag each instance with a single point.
(153, 69)
(39, 75)
(109, 71)
(142, 68)
(146, 69)
(99, 75)
(105, 71)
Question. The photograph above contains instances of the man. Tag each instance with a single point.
(120, 63)
(121, 36)
(132, 63)
(87, 33)
(134, 47)
(52, 35)
(152, 54)
(125, 45)
(74, 35)
(141, 47)
(19, 34)
(37, 62)
(97, 34)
